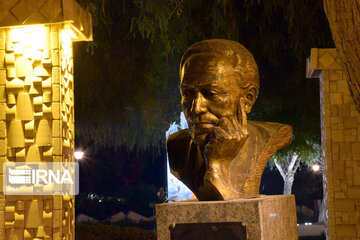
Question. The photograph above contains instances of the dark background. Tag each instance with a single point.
(126, 89)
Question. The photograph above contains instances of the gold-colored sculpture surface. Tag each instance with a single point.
(222, 155)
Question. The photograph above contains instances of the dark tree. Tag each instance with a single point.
(127, 79)
(126, 88)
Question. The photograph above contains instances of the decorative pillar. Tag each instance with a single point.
(340, 146)
(37, 108)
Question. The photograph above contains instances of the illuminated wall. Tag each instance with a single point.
(36, 124)
(340, 138)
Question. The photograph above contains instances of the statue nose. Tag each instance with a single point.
(199, 104)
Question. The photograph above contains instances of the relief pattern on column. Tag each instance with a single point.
(36, 124)
(340, 124)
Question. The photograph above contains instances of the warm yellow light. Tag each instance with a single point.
(34, 37)
(79, 155)
(70, 33)
(65, 37)
(315, 167)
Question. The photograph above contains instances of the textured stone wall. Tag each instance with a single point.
(36, 124)
(340, 146)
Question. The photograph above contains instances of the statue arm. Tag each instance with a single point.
(178, 149)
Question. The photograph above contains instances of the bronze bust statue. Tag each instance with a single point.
(222, 155)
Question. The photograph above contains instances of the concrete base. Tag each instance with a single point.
(263, 218)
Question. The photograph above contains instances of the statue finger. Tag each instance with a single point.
(244, 129)
(237, 128)
(219, 133)
(227, 125)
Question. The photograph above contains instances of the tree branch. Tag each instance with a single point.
(174, 10)
(343, 16)
(297, 164)
(293, 158)
(103, 8)
(280, 170)
(285, 163)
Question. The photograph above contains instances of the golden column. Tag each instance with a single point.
(340, 138)
(37, 107)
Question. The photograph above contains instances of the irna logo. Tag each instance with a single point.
(42, 178)
(39, 176)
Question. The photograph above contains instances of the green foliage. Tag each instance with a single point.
(127, 79)
(308, 153)
(110, 232)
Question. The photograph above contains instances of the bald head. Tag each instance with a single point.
(243, 64)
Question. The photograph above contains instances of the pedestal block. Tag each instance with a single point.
(263, 218)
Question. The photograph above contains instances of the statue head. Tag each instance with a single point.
(215, 77)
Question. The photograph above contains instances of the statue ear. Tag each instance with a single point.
(249, 98)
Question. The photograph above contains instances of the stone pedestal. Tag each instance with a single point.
(263, 218)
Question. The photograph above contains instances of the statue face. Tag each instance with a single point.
(209, 92)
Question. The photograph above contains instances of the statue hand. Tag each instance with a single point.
(226, 139)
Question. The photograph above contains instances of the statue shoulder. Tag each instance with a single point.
(279, 135)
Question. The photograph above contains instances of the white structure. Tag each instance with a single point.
(175, 188)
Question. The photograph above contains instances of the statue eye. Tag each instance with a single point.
(187, 93)
(210, 94)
